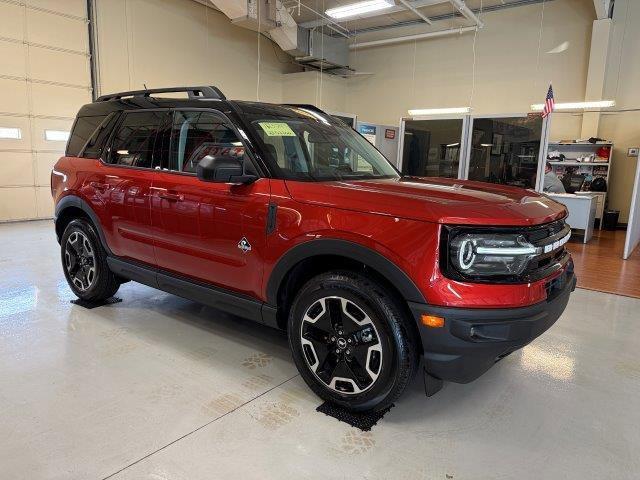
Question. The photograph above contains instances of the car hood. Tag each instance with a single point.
(440, 200)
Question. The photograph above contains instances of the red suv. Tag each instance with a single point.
(284, 215)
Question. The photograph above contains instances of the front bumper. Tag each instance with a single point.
(472, 340)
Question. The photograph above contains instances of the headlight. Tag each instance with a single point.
(487, 255)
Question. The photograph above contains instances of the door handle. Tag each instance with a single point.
(100, 186)
(172, 197)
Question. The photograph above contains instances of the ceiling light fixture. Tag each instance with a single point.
(438, 111)
(576, 105)
(359, 8)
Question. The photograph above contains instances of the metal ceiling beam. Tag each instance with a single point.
(466, 12)
(377, 13)
(416, 11)
(450, 15)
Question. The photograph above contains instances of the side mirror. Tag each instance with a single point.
(223, 169)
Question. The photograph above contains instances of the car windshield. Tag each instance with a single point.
(315, 147)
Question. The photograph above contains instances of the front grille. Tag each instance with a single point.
(546, 263)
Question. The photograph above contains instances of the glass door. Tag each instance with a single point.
(432, 147)
(506, 149)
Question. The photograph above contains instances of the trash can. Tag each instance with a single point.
(610, 220)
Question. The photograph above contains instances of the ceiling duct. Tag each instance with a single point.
(271, 18)
(289, 36)
(310, 47)
(330, 54)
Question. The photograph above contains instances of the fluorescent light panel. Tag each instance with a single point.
(438, 111)
(538, 107)
(10, 133)
(358, 8)
(56, 135)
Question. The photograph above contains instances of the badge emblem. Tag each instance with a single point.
(244, 245)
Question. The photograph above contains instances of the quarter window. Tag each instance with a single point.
(83, 128)
(133, 142)
(196, 135)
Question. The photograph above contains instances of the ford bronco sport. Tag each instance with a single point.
(284, 215)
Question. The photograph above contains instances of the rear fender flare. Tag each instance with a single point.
(77, 202)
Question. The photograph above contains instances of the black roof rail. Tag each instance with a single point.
(193, 92)
(308, 106)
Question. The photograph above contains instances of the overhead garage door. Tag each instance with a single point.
(44, 79)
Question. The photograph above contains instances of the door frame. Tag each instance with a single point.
(542, 154)
(463, 137)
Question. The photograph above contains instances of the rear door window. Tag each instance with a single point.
(198, 134)
(133, 142)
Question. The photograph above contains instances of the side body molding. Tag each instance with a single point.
(343, 248)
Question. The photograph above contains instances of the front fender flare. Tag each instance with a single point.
(343, 248)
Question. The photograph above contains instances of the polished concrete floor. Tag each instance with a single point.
(157, 387)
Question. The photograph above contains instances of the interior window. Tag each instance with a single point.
(133, 142)
(196, 135)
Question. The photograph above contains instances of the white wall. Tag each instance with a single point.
(325, 91)
(181, 42)
(44, 79)
(622, 83)
(633, 232)
(507, 79)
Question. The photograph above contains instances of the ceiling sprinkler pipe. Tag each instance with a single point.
(407, 38)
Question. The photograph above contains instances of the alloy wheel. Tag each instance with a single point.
(80, 261)
(341, 345)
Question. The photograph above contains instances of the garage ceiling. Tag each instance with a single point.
(310, 13)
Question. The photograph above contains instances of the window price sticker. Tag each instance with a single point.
(277, 129)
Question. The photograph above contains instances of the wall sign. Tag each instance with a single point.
(368, 132)
(389, 133)
(367, 129)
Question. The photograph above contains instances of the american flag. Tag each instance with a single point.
(549, 103)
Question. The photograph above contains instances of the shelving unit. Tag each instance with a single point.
(590, 169)
(569, 163)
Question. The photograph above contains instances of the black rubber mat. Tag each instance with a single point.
(364, 421)
(90, 305)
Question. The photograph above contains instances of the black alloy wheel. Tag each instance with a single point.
(80, 261)
(341, 345)
(352, 340)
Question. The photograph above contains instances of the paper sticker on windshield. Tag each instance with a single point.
(277, 129)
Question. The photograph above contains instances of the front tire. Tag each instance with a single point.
(84, 263)
(351, 341)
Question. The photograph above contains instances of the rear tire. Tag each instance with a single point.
(352, 341)
(84, 262)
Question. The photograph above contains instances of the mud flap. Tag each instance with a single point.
(432, 385)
